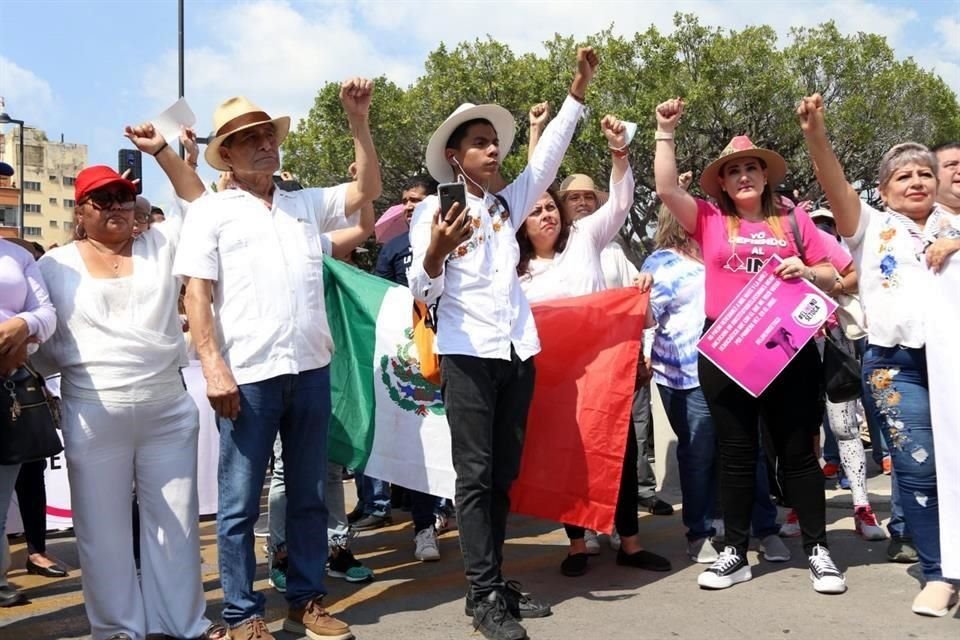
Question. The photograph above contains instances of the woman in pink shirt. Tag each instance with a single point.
(737, 236)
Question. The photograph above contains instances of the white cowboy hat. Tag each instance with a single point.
(821, 213)
(237, 114)
(500, 118)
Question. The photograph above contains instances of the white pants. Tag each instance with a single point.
(109, 448)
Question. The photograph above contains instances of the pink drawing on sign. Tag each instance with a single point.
(784, 340)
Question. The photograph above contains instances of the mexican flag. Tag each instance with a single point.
(390, 422)
(387, 419)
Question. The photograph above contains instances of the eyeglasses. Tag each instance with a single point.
(105, 199)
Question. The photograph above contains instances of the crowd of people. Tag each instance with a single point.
(240, 270)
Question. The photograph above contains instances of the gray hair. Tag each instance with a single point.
(902, 154)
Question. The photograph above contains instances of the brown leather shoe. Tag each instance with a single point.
(250, 629)
(314, 622)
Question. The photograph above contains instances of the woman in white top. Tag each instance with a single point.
(894, 252)
(127, 417)
(560, 259)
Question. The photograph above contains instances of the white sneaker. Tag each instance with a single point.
(729, 569)
(427, 548)
(824, 574)
(591, 541)
(615, 540)
(773, 549)
(702, 551)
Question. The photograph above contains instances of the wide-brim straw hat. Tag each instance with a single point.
(581, 182)
(821, 213)
(237, 114)
(742, 147)
(501, 119)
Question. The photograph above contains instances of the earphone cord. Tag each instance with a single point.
(463, 176)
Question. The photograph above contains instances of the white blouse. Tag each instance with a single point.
(118, 340)
(578, 270)
(893, 277)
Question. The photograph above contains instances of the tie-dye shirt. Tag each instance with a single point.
(676, 301)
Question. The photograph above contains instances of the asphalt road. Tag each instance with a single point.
(410, 600)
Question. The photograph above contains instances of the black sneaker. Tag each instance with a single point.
(355, 515)
(492, 619)
(902, 550)
(656, 506)
(574, 565)
(371, 522)
(519, 603)
(345, 566)
(729, 569)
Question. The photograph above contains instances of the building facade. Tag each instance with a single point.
(49, 172)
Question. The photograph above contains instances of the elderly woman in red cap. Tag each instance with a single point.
(737, 236)
(127, 417)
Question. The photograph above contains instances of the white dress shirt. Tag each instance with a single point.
(268, 268)
(577, 270)
(483, 311)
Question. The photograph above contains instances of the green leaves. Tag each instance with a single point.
(734, 82)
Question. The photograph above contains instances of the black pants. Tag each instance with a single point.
(32, 498)
(487, 402)
(625, 518)
(791, 408)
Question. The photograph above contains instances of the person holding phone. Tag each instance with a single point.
(465, 260)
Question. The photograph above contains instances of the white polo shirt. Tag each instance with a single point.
(483, 312)
(268, 268)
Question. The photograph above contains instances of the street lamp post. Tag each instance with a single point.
(6, 119)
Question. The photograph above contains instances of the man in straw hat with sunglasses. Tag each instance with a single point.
(265, 346)
(485, 330)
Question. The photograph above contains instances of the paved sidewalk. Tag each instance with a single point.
(410, 600)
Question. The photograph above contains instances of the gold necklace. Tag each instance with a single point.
(101, 255)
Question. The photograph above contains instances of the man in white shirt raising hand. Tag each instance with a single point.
(485, 330)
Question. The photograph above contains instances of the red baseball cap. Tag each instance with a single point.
(97, 177)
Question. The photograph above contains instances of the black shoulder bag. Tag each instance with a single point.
(841, 371)
(29, 416)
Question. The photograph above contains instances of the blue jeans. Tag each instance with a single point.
(373, 495)
(424, 509)
(896, 379)
(298, 407)
(697, 461)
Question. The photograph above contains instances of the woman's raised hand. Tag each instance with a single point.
(810, 114)
(668, 114)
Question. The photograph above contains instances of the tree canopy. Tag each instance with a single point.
(734, 82)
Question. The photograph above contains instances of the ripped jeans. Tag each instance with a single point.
(896, 381)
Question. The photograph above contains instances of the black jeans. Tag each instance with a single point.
(32, 498)
(487, 402)
(625, 518)
(791, 408)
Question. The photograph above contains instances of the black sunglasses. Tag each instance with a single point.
(105, 199)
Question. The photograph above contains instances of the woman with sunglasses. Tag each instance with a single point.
(127, 417)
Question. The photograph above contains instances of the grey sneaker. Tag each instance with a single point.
(427, 548)
(773, 549)
(702, 551)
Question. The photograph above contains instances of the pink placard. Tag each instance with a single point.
(764, 327)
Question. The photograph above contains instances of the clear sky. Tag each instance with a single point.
(85, 68)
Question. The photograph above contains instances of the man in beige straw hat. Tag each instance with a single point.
(265, 347)
(485, 330)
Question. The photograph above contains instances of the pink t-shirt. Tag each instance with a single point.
(837, 254)
(730, 265)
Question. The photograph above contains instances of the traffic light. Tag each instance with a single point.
(131, 159)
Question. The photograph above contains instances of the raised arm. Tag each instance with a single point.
(844, 201)
(680, 203)
(355, 95)
(541, 171)
(344, 241)
(539, 114)
(604, 224)
(184, 178)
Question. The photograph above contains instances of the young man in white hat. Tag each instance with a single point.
(485, 330)
(265, 347)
